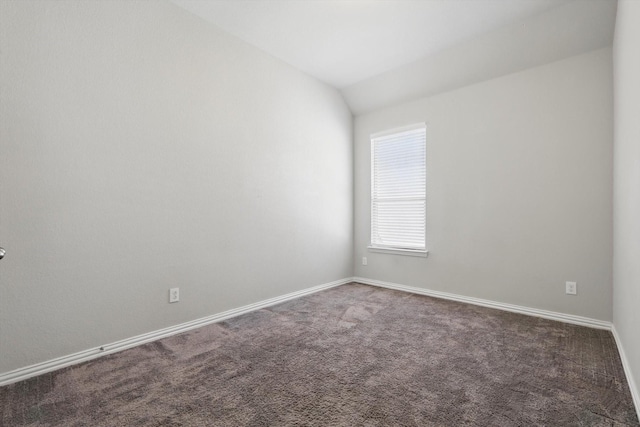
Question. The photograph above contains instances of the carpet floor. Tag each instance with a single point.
(354, 355)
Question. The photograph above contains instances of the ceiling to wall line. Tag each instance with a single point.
(381, 52)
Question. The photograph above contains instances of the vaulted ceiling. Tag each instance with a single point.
(381, 52)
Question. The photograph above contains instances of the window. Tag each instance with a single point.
(399, 191)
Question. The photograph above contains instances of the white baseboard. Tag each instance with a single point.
(635, 393)
(552, 315)
(93, 353)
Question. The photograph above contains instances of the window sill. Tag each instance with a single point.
(408, 252)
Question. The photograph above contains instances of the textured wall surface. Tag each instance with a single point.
(519, 177)
(626, 205)
(142, 149)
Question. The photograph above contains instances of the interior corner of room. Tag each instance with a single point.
(143, 149)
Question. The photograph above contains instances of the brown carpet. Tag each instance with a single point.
(354, 355)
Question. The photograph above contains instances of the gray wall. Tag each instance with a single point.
(141, 149)
(562, 31)
(519, 189)
(626, 200)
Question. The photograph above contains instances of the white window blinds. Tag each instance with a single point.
(399, 189)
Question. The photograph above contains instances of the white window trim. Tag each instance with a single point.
(394, 250)
(398, 130)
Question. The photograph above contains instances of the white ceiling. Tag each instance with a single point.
(568, 30)
(347, 43)
(344, 42)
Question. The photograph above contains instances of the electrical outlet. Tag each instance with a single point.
(174, 294)
(571, 288)
(364, 260)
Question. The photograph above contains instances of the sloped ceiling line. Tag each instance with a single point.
(380, 53)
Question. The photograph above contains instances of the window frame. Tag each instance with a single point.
(397, 250)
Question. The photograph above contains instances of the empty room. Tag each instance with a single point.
(319, 212)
